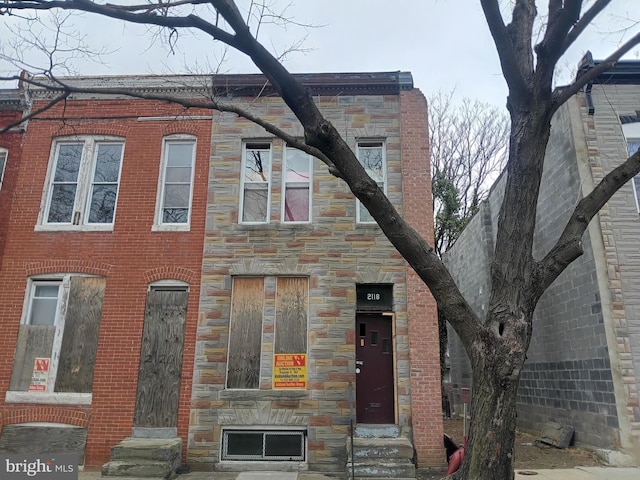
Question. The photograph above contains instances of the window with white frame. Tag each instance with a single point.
(633, 146)
(58, 338)
(256, 182)
(298, 168)
(176, 183)
(371, 155)
(631, 132)
(83, 183)
(3, 163)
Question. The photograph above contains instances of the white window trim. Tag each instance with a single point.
(631, 132)
(49, 396)
(384, 173)
(4, 154)
(158, 225)
(284, 188)
(242, 181)
(85, 179)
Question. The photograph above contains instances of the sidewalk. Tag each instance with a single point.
(578, 473)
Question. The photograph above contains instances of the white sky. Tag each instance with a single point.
(445, 44)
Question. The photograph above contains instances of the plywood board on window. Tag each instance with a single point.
(245, 333)
(292, 300)
(34, 341)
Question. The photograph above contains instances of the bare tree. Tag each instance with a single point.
(468, 146)
(496, 344)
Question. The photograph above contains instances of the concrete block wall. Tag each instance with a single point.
(567, 378)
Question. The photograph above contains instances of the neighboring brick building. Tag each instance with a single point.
(292, 288)
(100, 233)
(583, 366)
(11, 111)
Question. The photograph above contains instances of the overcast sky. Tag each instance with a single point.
(445, 44)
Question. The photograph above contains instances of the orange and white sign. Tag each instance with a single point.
(40, 375)
(289, 370)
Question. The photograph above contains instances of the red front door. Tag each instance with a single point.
(374, 369)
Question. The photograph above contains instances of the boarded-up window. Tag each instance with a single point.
(245, 332)
(61, 326)
(292, 299)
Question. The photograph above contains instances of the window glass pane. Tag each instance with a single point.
(283, 445)
(68, 163)
(255, 204)
(365, 216)
(370, 156)
(257, 163)
(108, 163)
(297, 166)
(3, 161)
(103, 203)
(44, 304)
(292, 296)
(244, 444)
(296, 204)
(63, 198)
(633, 146)
(177, 196)
(179, 154)
(178, 174)
(175, 215)
(245, 333)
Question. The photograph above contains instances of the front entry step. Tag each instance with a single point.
(150, 458)
(381, 451)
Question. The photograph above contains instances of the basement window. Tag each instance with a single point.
(279, 445)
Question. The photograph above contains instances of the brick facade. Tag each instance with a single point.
(332, 251)
(130, 257)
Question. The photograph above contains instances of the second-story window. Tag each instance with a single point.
(633, 145)
(372, 157)
(83, 183)
(297, 186)
(3, 162)
(256, 182)
(176, 182)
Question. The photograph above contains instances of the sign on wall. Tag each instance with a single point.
(39, 375)
(289, 370)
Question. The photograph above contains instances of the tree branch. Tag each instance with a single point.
(569, 245)
(506, 51)
(561, 95)
(583, 23)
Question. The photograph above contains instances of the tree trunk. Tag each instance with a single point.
(489, 455)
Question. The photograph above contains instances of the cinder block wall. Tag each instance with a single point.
(567, 377)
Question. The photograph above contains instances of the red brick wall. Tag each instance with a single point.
(12, 142)
(131, 256)
(421, 307)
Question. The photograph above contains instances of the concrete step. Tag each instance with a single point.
(377, 431)
(373, 468)
(376, 448)
(156, 449)
(148, 469)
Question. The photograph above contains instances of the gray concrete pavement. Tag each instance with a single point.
(578, 473)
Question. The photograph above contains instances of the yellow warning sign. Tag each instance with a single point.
(290, 370)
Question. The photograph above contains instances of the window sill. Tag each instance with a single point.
(171, 228)
(262, 394)
(51, 398)
(73, 228)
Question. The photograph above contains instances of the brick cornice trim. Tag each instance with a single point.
(51, 414)
(170, 273)
(67, 266)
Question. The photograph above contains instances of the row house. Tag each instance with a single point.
(181, 276)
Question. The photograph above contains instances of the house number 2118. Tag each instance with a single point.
(373, 296)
